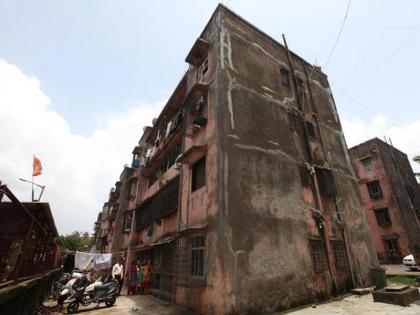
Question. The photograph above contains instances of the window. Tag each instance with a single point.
(293, 122)
(132, 189)
(367, 163)
(382, 217)
(198, 174)
(304, 176)
(319, 257)
(375, 190)
(311, 129)
(202, 70)
(392, 247)
(325, 182)
(285, 78)
(128, 218)
(197, 257)
(340, 255)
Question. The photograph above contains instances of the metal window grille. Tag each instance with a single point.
(382, 217)
(197, 257)
(375, 190)
(318, 254)
(340, 255)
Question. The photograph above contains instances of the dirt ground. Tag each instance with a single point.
(357, 305)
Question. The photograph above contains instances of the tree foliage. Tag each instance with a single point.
(76, 241)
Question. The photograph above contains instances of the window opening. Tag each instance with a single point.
(326, 182)
(367, 163)
(382, 217)
(285, 77)
(202, 70)
(197, 257)
(311, 129)
(340, 255)
(392, 248)
(375, 190)
(128, 219)
(319, 257)
(198, 179)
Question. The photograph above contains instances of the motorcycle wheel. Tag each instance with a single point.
(109, 302)
(73, 307)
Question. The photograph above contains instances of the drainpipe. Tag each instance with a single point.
(306, 146)
(336, 201)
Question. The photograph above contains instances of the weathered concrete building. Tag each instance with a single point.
(247, 201)
(391, 198)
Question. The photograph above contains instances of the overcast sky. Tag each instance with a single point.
(79, 79)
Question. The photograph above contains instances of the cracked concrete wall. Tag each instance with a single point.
(267, 218)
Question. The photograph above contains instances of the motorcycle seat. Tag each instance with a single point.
(105, 286)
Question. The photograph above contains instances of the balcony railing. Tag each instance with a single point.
(162, 204)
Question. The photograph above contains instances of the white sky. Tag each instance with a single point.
(79, 80)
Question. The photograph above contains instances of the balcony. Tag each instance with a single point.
(160, 205)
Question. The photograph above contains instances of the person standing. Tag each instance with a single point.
(118, 274)
(141, 278)
(132, 278)
(147, 276)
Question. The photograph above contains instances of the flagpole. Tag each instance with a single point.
(33, 194)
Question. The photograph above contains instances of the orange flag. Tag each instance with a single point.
(37, 167)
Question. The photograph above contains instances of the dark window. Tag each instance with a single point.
(197, 257)
(382, 217)
(128, 218)
(293, 122)
(304, 176)
(319, 257)
(392, 247)
(132, 189)
(326, 182)
(311, 129)
(367, 163)
(340, 255)
(285, 77)
(198, 174)
(375, 190)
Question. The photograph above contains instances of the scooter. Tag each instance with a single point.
(70, 287)
(102, 293)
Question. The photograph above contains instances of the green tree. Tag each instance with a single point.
(75, 241)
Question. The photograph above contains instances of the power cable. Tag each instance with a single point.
(393, 53)
(417, 137)
(371, 48)
(339, 34)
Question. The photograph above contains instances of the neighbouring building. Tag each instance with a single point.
(113, 226)
(245, 198)
(391, 198)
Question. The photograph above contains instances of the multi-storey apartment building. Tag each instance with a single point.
(246, 198)
(391, 198)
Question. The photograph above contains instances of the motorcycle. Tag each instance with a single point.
(70, 287)
(102, 293)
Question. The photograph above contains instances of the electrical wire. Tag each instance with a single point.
(354, 100)
(339, 34)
